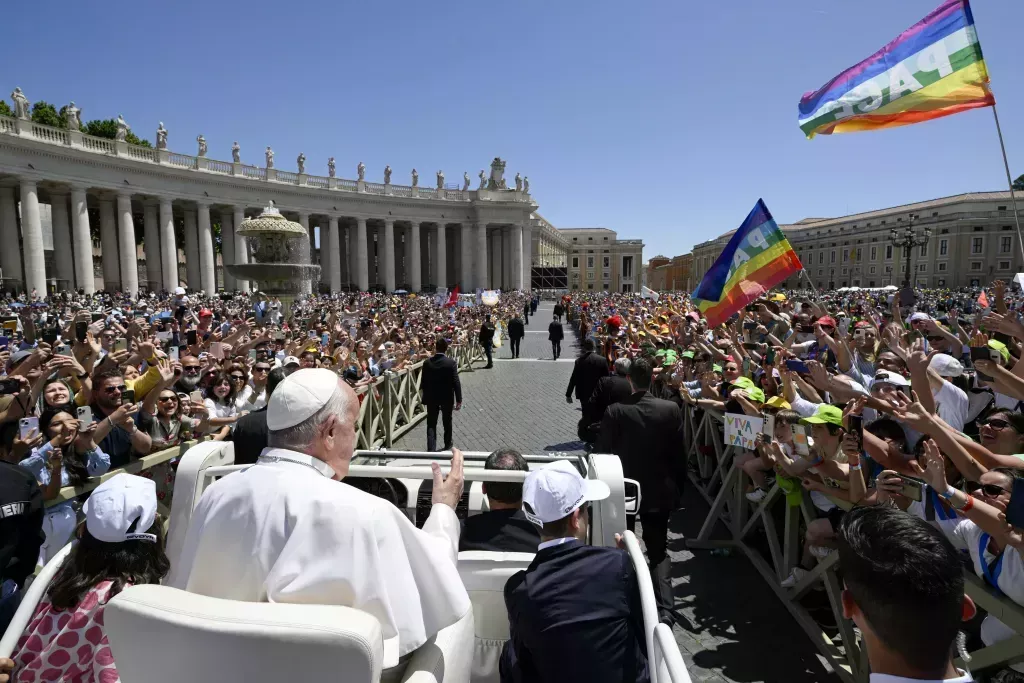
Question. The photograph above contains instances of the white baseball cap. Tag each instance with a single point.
(117, 504)
(918, 317)
(945, 365)
(299, 396)
(289, 360)
(178, 291)
(889, 377)
(554, 491)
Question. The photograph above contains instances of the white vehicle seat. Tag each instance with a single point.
(484, 574)
(160, 634)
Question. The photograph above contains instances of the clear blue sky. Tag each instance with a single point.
(662, 120)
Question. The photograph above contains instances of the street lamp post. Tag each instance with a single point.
(907, 241)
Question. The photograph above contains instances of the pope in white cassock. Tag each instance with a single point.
(288, 530)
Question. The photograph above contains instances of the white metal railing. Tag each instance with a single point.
(254, 172)
(181, 160)
(215, 166)
(101, 145)
(142, 153)
(288, 177)
(48, 134)
(29, 601)
(424, 192)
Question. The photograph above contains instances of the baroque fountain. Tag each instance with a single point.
(274, 244)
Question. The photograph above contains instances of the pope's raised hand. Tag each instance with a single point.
(448, 489)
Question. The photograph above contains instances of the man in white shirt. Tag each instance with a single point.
(904, 588)
(288, 530)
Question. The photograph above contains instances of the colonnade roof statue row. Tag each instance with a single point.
(371, 234)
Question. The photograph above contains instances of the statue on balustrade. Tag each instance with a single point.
(387, 175)
(122, 129)
(330, 167)
(361, 170)
(202, 145)
(270, 157)
(440, 180)
(497, 179)
(465, 181)
(161, 136)
(526, 184)
(236, 153)
(21, 104)
(73, 117)
(301, 162)
(519, 183)
(415, 178)
(483, 180)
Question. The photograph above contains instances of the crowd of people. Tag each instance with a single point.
(910, 410)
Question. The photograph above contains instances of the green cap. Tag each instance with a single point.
(747, 384)
(826, 414)
(716, 368)
(1001, 348)
(670, 357)
(687, 354)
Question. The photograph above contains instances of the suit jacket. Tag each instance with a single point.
(609, 390)
(486, 333)
(516, 328)
(440, 381)
(647, 435)
(555, 331)
(588, 370)
(506, 531)
(250, 436)
(575, 615)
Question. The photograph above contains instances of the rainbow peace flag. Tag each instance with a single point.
(935, 68)
(757, 258)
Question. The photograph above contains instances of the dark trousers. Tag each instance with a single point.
(487, 352)
(655, 533)
(446, 421)
(515, 346)
(556, 348)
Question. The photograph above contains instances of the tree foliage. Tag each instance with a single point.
(46, 114)
(1018, 184)
(5, 109)
(107, 128)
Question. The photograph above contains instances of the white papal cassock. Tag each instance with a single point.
(284, 531)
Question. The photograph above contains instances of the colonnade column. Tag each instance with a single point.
(32, 238)
(494, 244)
(517, 257)
(468, 284)
(506, 257)
(126, 239)
(108, 245)
(389, 255)
(63, 253)
(528, 257)
(481, 255)
(362, 258)
(208, 267)
(414, 267)
(304, 251)
(240, 252)
(440, 258)
(10, 246)
(168, 246)
(151, 245)
(334, 257)
(84, 278)
(327, 245)
(191, 250)
(227, 247)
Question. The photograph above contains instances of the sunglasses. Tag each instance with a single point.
(238, 378)
(116, 390)
(935, 340)
(168, 398)
(190, 368)
(990, 490)
(996, 424)
(260, 369)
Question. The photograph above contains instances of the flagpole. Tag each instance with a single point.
(803, 271)
(1009, 180)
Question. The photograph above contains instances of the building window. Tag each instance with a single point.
(590, 239)
(978, 228)
(1001, 208)
(606, 284)
(924, 250)
(871, 270)
(943, 247)
(821, 257)
(606, 239)
(976, 244)
(574, 239)
(846, 255)
(922, 267)
(627, 268)
(821, 271)
(846, 271)
(942, 282)
(1004, 265)
(575, 261)
(590, 275)
(874, 253)
(1005, 244)
(888, 252)
(942, 267)
(607, 261)
(975, 265)
(590, 286)
(832, 258)
(590, 262)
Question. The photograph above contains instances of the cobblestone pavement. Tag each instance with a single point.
(735, 629)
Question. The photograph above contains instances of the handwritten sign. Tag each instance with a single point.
(742, 430)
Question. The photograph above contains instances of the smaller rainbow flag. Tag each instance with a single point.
(933, 69)
(757, 258)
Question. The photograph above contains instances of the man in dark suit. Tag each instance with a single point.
(504, 528)
(610, 389)
(575, 613)
(588, 371)
(486, 338)
(647, 435)
(250, 432)
(516, 332)
(558, 311)
(526, 312)
(555, 335)
(441, 390)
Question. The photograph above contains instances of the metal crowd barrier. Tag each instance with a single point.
(723, 484)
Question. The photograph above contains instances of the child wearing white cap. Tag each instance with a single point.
(120, 544)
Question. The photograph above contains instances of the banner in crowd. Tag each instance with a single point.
(742, 430)
(757, 258)
(933, 69)
(489, 297)
(648, 293)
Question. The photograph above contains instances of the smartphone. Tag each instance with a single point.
(798, 366)
(769, 426)
(120, 344)
(751, 346)
(50, 336)
(984, 353)
(65, 351)
(312, 334)
(191, 337)
(856, 423)
(913, 488)
(98, 316)
(196, 397)
(800, 443)
(252, 355)
(770, 358)
(128, 396)
(217, 350)
(325, 339)
(5, 342)
(9, 385)
(26, 425)
(81, 330)
(746, 366)
(1015, 508)
(164, 336)
(749, 325)
(174, 353)
(85, 415)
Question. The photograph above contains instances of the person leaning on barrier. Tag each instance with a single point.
(575, 613)
(250, 433)
(903, 587)
(504, 528)
(288, 530)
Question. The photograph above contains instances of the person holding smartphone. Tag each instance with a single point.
(116, 430)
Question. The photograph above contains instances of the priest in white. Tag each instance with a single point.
(289, 530)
